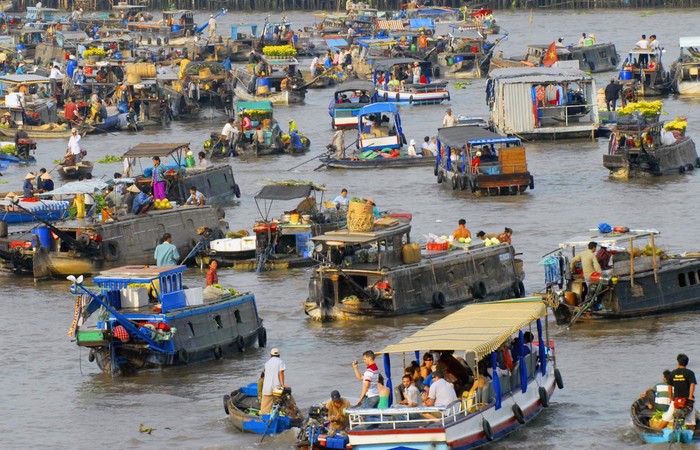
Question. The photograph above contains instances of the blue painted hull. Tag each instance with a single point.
(14, 217)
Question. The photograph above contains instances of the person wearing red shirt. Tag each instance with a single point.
(212, 277)
(71, 112)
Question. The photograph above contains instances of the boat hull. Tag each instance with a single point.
(485, 184)
(649, 435)
(237, 401)
(419, 94)
(378, 163)
(673, 159)
(688, 88)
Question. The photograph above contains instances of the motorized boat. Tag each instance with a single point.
(152, 321)
(243, 409)
(428, 93)
(249, 86)
(348, 100)
(685, 72)
(485, 163)
(644, 75)
(644, 417)
(596, 58)
(642, 279)
(78, 171)
(507, 401)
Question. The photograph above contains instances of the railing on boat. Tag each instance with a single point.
(564, 116)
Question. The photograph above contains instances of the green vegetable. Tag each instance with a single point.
(111, 159)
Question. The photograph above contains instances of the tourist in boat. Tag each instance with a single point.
(369, 397)
(642, 44)
(479, 388)
(653, 42)
(166, 253)
(461, 232)
(409, 391)
(427, 369)
(337, 417)
(682, 392)
(212, 276)
(158, 179)
(506, 236)
(384, 393)
(273, 378)
(28, 186)
(342, 200)
(449, 120)
(203, 163)
(441, 393)
(196, 198)
(228, 131)
(411, 150)
(456, 371)
(612, 93)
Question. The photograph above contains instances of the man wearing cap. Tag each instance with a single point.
(560, 43)
(449, 120)
(337, 416)
(273, 378)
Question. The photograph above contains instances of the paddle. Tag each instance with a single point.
(273, 416)
(307, 161)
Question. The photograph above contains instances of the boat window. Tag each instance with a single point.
(217, 321)
(237, 315)
(682, 281)
(692, 278)
(191, 327)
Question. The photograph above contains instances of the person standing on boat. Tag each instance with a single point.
(158, 180)
(612, 93)
(212, 26)
(54, 77)
(643, 44)
(449, 120)
(582, 41)
(273, 378)
(28, 187)
(369, 397)
(653, 42)
(337, 416)
(422, 43)
(682, 392)
(212, 276)
(589, 263)
(166, 253)
(461, 232)
(228, 132)
(441, 393)
(73, 151)
(416, 72)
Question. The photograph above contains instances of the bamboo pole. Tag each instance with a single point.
(631, 262)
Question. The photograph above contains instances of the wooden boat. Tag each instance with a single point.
(378, 163)
(641, 416)
(643, 280)
(213, 81)
(558, 113)
(502, 166)
(240, 44)
(346, 105)
(250, 143)
(511, 400)
(468, 55)
(641, 146)
(596, 58)
(685, 71)
(430, 93)
(82, 169)
(378, 280)
(639, 79)
(50, 131)
(250, 87)
(183, 331)
(46, 210)
(243, 409)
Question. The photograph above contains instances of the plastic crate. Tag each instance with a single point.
(336, 441)
(251, 390)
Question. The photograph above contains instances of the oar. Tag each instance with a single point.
(307, 161)
(313, 80)
(273, 416)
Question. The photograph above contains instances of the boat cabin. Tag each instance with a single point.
(644, 73)
(347, 102)
(542, 102)
(379, 127)
(261, 116)
(215, 182)
(44, 15)
(31, 109)
(473, 158)
(389, 73)
(685, 73)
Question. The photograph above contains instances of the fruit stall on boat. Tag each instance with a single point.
(642, 279)
(283, 242)
(640, 144)
(215, 182)
(429, 93)
(372, 269)
(507, 401)
(640, 79)
(147, 319)
(347, 102)
(243, 409)
(644, 417)
(685, 72)
(542, 103)
(485, 162)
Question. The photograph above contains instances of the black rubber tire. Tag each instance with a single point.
(440, 177)
(236, 191)
(591, 65)
(532, 183)
(689, 168)
(218, 352)
(240, 344)
(439, 300)
(479, 290)
(386, 97)
(91, 355)
(110, 250)
(398, 97)
(220, 213)
(518, 289)
(681, 169)
(455, 182)
(558, 379)
(518, 414)
(488, 432)
(697, 163)
(463, 183)
(262, 337)
(183, 356)
(410, 100)
(543, 396)
(226, 399)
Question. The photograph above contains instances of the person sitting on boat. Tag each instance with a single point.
(410, 393)
(476, 161)
(682, 391)
(293, 128)
(653, 42)
(461, 232)
(384, 393)
(28, 186)
(166, 253)
(342, 200)
(393, 85)
(189, 160)
(7, 121)
(441, 393)
(203, 163)
(505, 237)
(655, 399)
(456, 371)
(246, 122)
(338, 419)
(582, 41)
(46, 182)
(196, 198)
(142, 202)
(478, 393)
(71, 113)
(560, 43)
(411, 150)
(130, 195)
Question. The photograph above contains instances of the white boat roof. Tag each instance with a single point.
(537, 75)
(685, 42)
(617, 239)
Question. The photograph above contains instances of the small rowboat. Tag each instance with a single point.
(243, 408)
(83, 169)
(640, 420)
(39, 132)
(378, 163)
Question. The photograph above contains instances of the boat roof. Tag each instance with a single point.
(151, 149)
(378, 108)
(264, 104)
(345, 236)
(417, 23)
(478, 329)
(388, 63)
(287, 191)
(685, 42)
(371, 42)
(644, 51)
(458, 135)
(607, 239)
(137, 272)
(26, 79)
(336, 42)
(538, 75)
(357, 86)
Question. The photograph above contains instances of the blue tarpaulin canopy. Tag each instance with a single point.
(336, 43)
(422, 23)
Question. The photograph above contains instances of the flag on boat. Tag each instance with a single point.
(551, 56)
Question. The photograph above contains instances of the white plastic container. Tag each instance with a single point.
(14, 99)
(194, 296)
(134, 297)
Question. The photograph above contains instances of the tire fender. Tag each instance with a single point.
(479, 289)
(473, 186)
(410, 100)
(110, 250)
(218, 352)
(689, 168)
(435, 170)
(518, 414)
(455, 182)
(183, 356)
(439, 300)
(440, 177)
(558, 379)
(240, 343)
(262, 337)
(532, 182)
(518, 289)
(398, 97)
(226, 399)
(543, 396)
(681, 169)
(236, 191)
(488, 432)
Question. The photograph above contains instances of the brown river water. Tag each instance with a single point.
(51, 397)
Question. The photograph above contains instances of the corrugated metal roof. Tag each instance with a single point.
(16, 79)
(537, 75)
(478, 329)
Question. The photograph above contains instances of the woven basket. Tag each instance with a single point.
(360, 217)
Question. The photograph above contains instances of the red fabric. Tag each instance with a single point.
(119, 332)
(212, 277)
(71, 111)
(30, 199)
(551, 56)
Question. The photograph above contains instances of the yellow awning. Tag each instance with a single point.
(478, 329)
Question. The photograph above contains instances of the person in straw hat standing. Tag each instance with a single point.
(73, 151)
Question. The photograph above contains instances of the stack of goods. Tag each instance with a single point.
(635, 112)
(360, 216)
(437, 242)
(677, 126)
(162, 204)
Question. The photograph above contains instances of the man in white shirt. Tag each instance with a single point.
(314, 66)
(642, 43)
(73, 152)
(228, 131)
(351, 35)
(411, 394)
(449, 120)
(441, 392)
(369, 398)
(273, 379)
(342, 200)
(54, 76)
(653, 42)
(212, 26)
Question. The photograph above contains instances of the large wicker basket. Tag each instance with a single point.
(360, 217)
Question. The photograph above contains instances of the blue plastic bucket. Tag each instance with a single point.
(459, 59)
(263, 81)
(175, 28)
(43, 234)
(123, 107)
(625, 75)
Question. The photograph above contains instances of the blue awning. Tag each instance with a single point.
(336, 43)
(379, 108)
(422, 23)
